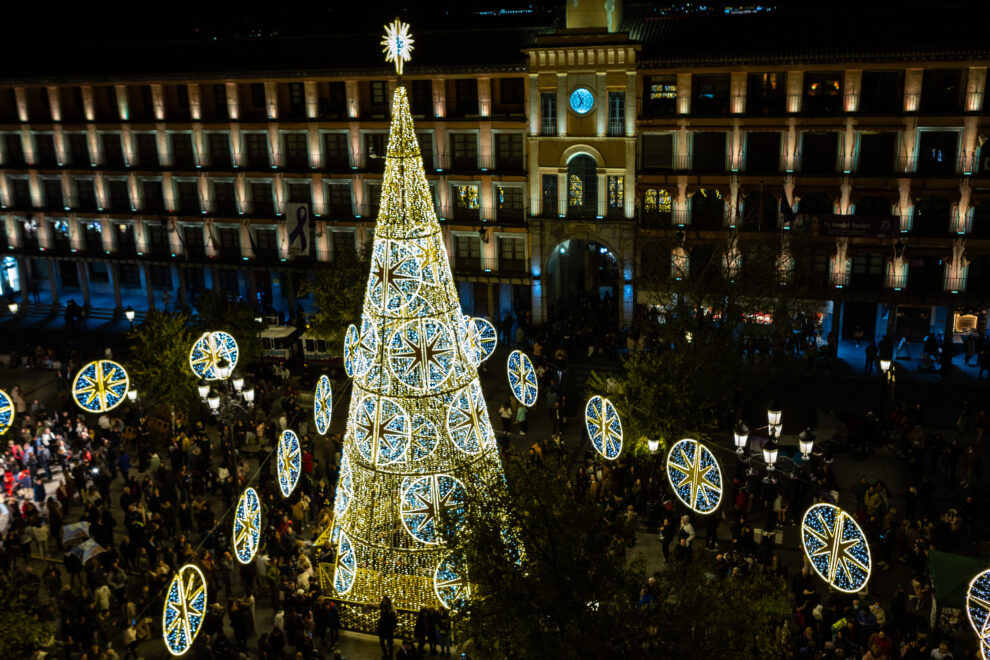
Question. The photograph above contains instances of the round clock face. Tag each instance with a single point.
(582, 100)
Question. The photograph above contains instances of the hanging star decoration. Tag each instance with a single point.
(398, 44)
(836, 547)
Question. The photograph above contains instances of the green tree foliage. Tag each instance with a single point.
(22, 617)
(216, 312)
(702, 612)
(158, 362)
(569, 594)
(338, 294)
(550, 579)
(705, 319)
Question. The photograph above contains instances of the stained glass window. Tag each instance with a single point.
(466, 196)
(575, 190)
(616, 192)
(657, 201)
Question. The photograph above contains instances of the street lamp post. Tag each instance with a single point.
(770, 450)
(806, 442)
(129, 314)
(886, 366)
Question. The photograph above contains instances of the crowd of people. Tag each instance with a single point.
(153, 501)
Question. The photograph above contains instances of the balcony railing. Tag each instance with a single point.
(821, 104)
(710, 105)
(761, 105)
(475, 265)
(661, 162)
(955, 284)
(588, 210)
(548, 126)
(662, 219)
(616, 126)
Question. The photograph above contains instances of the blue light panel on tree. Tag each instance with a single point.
(428, 499)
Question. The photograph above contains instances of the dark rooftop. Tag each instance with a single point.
(451, 42)
(830, 32)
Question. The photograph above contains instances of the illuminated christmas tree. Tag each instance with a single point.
(418, 438)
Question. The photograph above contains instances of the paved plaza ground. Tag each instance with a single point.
(819, 401)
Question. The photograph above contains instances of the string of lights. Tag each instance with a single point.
(418, 440)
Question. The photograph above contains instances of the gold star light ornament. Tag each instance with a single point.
(397, 44)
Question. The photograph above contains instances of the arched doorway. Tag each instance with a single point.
(582, 274)
(582, 187)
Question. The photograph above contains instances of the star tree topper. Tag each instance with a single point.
(398, 44)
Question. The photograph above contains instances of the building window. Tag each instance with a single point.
(147, 148)
(426, 149)
(79, 149)
(510, 202)
(466, 202)
(54, 198)
(297, 150)
(86, 195)
(257, 149)
(261, 198)
(660, 95)
(467, 250)
(582, 186)
(766, 93)
(511, 252)
(224, 198)
(336, 154)
(465, 150)
(339, 200)
(195, 280)
(657, 201)
(297, 98)
(113, 152)
(13, 149)
(182, 94)
(193, 240)
(616, 195)
(258, 94)
(220, 100)
(265, 242)
(151, 190)
(616, 114)
(219, 150)
(188, 196)
(379, 92)
(508, 151)
(182, 150)
(298, 193)
(466, 91)
(44, 144)
(548, 111)
(549, 194)
(120, 195)
(511, 91)
(422, 98)
(822, 91)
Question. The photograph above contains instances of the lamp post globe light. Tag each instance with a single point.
(13, 307)
(741, 436)
(806, 443)
(653, 445)
(238, 382)
(129, 315)
(770, 450)
(204, 389)
(132, 395)
(884, 365)
(774, 414)
(214, 402)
